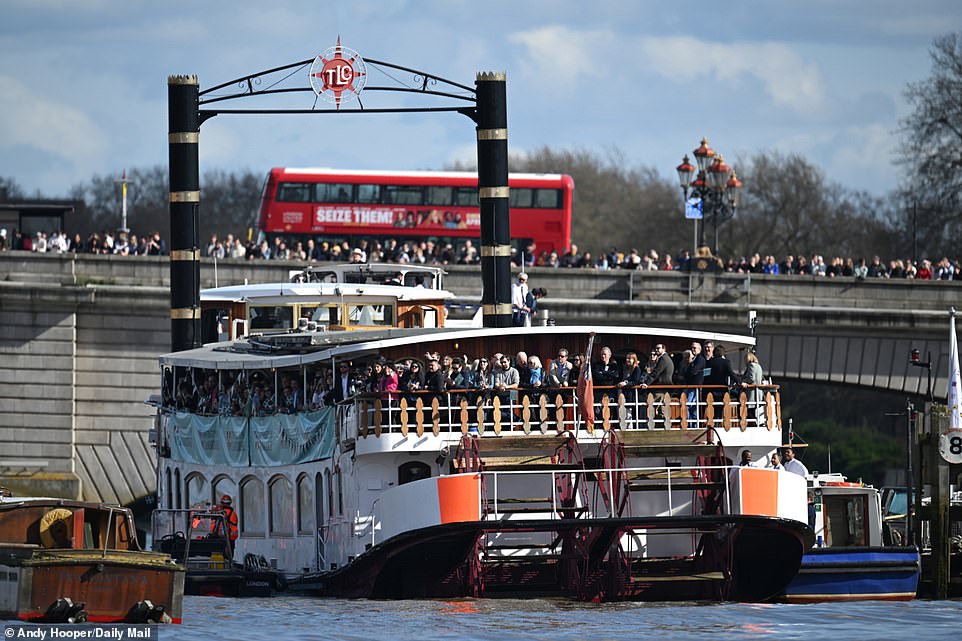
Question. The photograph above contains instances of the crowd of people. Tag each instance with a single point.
(479, 379)
(465, 252)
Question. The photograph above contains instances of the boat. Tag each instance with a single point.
(72, 561)
(604, 495)
(199, 540)
(853, 559)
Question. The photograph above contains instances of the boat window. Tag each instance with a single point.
(305, 505)
(224, 485)
(340, 493)
(429, 317)
(197, 491)
(330, 493)
(371, 315)
(252, 506)
(178, 504)
(845, 518)
(168, 494)
(319, 498)
(281, 497)
(412, 471)
(322, 314)
(271, 317)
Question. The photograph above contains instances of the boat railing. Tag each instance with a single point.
(556, 410)
(681, 485)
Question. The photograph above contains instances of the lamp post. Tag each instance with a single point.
(715, 186)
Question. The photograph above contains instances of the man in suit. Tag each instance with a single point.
(719, 369)
(343, 383)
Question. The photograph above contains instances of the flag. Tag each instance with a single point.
(586, 388)
(955, 379)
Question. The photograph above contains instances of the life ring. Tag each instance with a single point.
(841, 484)
(56, 528)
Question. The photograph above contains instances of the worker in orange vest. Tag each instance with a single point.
(229, 515)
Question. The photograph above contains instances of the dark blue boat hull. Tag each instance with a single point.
(856, 574)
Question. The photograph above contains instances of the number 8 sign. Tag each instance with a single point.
(950, 446)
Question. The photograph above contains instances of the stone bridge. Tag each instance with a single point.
(79, 338)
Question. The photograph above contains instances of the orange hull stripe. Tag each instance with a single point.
(759, 492)
(459, 498)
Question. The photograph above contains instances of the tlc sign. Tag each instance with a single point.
(338, 75)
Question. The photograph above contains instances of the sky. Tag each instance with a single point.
(83, 83)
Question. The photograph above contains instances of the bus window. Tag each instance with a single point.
(547, 198)
(322, 314)
(271, 317)
(466, 197)
(371, 315)
(368, 193)
(520, 197)
(334, 193)
(294, 193)
(403, 194)
(440, 196)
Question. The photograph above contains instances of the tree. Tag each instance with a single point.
(789, 207)
(10, 190)
(931, 150)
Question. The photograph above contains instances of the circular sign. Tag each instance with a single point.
(950, 446)
(338, 75)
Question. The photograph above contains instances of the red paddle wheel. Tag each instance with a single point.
(571, 503)
(613, 484)
(711, 471)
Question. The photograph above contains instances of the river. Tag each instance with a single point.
(297, 618)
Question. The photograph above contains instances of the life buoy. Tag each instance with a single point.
(56, 528)
(841, 484)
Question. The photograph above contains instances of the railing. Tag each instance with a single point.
(675, 481)
(557, 410)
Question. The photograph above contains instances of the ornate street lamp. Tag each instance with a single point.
(716, 185)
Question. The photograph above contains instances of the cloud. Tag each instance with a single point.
(34, 121)
(789, 80)
(572, 59)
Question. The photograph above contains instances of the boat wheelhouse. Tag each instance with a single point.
(851, 560)
(608, 493)
(337, 297)
(70, 561)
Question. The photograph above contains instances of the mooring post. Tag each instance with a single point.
(492, 120)
(183, 139)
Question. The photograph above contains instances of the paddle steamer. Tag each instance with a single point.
(597, 494)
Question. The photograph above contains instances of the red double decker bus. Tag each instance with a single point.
(338, 205)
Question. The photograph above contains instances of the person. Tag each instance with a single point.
(694, 376)
(531, 300)
(664, 369)
(630, 380)
(750, 379)
(343, 383)
(719, 370)
(559, 375)
(520, 312)
(746, 458)
(776, 462)
(230, 518)
(792, 464)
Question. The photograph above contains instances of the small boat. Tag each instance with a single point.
(71, 561)
(850, 561)
(198, 539)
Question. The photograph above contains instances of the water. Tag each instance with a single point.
(296, 618)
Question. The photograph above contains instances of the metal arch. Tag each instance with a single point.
(423, 83)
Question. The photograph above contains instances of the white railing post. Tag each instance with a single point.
(554, 506)
(670, 510)
(497, 514)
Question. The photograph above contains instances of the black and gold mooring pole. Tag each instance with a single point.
(183, 139)
(492, 119)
